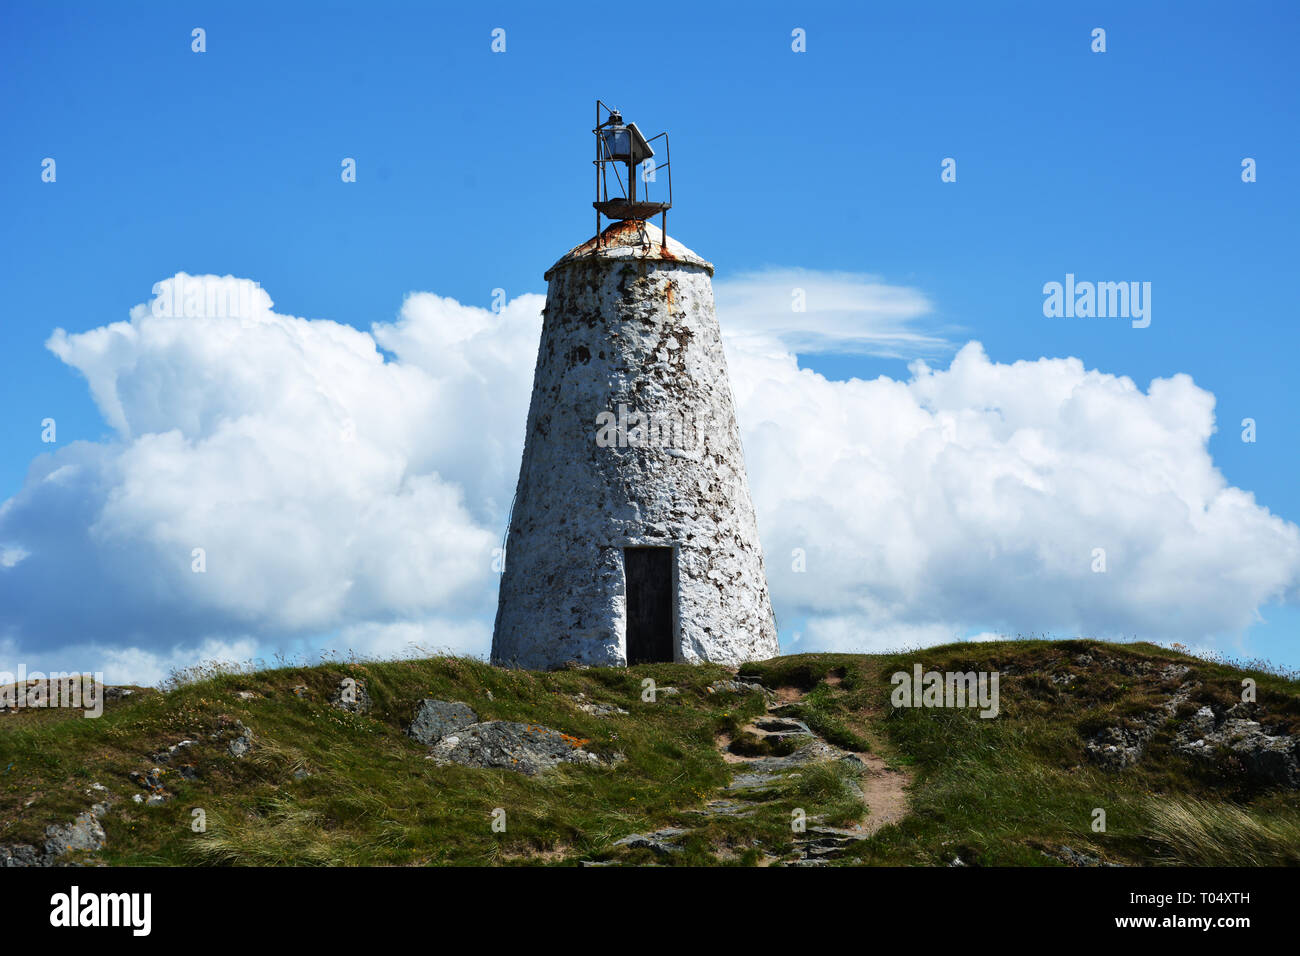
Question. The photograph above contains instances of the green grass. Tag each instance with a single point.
(993, 792)
(371, 797)
(1003, 791)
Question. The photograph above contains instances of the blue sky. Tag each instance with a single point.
(474, 174)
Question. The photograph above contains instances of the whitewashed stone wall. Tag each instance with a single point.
(635, 327)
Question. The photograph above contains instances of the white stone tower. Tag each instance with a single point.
(632, 537)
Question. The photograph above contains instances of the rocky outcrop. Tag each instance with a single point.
(596, 708)
(820, 845)
(504, 744)
(1272, 759)
(85, 833)
(1124, 744)
(1269, 759)
(434, 719)
(455, 735)
(735, 687)
(1118, 747)
(22, 854)
(659, 842)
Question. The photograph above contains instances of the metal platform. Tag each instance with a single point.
(623, 209)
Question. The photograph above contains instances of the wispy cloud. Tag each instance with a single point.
(848, 312)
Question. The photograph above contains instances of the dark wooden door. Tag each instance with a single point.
(649, 574)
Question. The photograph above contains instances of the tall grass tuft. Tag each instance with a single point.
(1190, 832)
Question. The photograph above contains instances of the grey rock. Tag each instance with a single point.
(153, 782)
(1268, 758)
(526, 748)
(735, 687)
(765, 772)
(1274, 760)
(21, 854)
(595, 708)
(815, 751)
(83, 833)
(659, 841)
(855, 788)
(1126, 667)
(1115, 748)
(754, 781)
(854, 762)
(148, 781)
(782, 727)
(1118, 747)
(166, 755)
(826, 843)
(836, 835)
(351, 696)
(1201, 723)
(434, 719)
(1074, 857)
(242, 743)
(726, 808)
(602, 710)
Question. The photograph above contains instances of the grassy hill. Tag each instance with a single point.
(324, 786)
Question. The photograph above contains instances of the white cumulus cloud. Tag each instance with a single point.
(316, 485)
(985, 494)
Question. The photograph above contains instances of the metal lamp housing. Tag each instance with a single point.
(626, 144)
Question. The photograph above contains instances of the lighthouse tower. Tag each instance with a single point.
(632, 537)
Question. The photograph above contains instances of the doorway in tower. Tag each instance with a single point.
(649, 576)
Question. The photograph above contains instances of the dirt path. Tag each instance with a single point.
(778, 747)
(882, 789)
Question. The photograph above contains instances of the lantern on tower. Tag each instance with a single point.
(623, 151)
